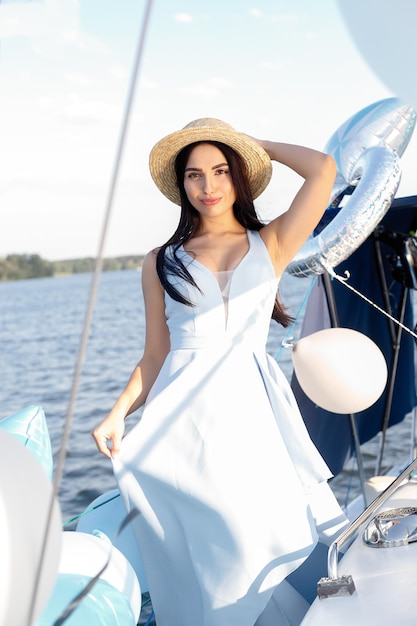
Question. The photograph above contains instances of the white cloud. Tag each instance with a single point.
(22, 20)
(183, 18)
(85, 43)
(77, 78)
(34, 19)
(81, 110)
(271, 66)
(149, 84)
(256, 13)
(210, 88)
(310, 36)
(117, 71)
(51, 26)
(45, 103)
(286, 17)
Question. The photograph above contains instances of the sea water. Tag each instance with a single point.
(41, 326)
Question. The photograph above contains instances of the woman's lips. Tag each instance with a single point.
(210, 201)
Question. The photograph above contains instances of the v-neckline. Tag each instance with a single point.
(213, 272)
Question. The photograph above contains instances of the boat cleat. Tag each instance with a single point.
(335, 587)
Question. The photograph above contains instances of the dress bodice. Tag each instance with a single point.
(251, 294)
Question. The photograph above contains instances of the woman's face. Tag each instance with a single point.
(207, 181)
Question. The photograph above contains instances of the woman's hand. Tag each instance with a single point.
(108, 435)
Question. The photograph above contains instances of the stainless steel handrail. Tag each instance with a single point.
(348, 533)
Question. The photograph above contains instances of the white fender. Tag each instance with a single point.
(105, 514)
(115, 599)
(25, 500)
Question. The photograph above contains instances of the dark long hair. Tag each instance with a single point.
(243, 209)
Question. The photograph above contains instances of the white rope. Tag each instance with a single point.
(343, 281)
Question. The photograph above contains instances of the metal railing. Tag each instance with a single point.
(335, 585)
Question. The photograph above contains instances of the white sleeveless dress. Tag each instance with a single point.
(220, 464)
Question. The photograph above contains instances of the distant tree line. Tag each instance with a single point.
(20, 266)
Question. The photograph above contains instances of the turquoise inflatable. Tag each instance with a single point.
(104, 605)
(29, 426)
(106, 514)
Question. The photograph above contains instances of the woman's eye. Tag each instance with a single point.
(222, 171)
(193, 175)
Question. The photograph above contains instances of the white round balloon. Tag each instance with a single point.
(25, 498)
(340, 369)
(384, 33)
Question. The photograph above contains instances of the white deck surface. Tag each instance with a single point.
(385, 580)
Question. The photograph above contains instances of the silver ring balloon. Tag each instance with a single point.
(367, 150)
(379, 172)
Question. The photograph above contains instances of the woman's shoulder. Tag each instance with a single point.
(149, 260)
(151, 254)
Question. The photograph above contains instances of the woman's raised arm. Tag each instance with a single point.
(286, 234)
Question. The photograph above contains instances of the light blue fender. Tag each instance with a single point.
(104, 605)
(29, 426)
(105, 514)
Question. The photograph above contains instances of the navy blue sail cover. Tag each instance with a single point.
(394, 237)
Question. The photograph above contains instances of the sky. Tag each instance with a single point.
(287, 70)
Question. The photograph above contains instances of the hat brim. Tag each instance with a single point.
(164, 153)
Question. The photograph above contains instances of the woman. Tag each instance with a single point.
(220, 466)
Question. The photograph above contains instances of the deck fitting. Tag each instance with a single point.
(335, 587)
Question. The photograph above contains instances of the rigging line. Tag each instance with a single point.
(148, 621)
(93, 289)
(88, 511)
(286, 342)
(343, 281)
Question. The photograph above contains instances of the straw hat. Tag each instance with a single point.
(164, 153)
